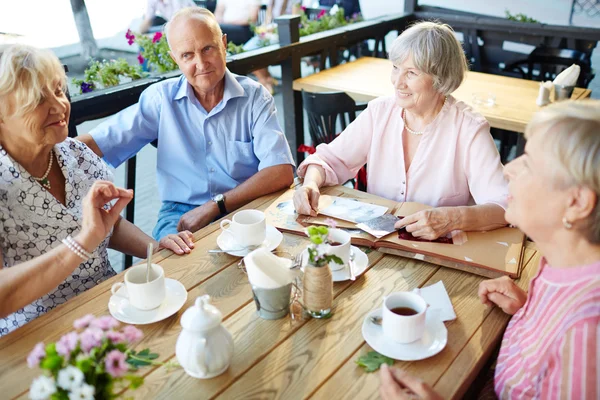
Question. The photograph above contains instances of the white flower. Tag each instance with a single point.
(42, 388)
(84, 392)
(70, 378)
(334, 9)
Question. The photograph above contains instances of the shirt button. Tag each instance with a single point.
(402, 193)
(212, 170)
(403, 182)
(209, 143)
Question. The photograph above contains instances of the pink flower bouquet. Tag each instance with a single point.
(89, 363)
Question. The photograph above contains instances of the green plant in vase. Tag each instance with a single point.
(317, 280)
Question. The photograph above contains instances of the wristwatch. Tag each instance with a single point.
(220, 200)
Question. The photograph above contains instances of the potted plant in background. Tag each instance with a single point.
(317, 281)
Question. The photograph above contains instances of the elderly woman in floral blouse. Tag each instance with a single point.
(43, 177)
(421, 144)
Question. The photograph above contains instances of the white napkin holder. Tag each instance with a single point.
(266, 270)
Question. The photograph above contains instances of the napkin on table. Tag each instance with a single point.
(568, 77)
(266, 270)
(438, 300)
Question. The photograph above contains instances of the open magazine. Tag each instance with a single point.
(491, 254)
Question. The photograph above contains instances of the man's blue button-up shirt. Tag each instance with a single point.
(200, 154)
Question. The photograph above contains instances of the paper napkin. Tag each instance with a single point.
(438, 300)
(266, 270)
(568, 77)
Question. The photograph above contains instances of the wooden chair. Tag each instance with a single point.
(324, 110)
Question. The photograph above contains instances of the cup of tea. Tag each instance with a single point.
(403, 315)
(143, 294)
(339, 245)
(248, 227)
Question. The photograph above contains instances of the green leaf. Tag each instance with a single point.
(135, 381)
(373, 360)
(52, 363)
(143, 353)
(51, 349)
(84, 364)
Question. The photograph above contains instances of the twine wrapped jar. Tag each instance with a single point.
(318, 290)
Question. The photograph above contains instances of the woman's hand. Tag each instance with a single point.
(397, 384)
(429, 224)
(96, 221)
(180, 243)
(502, 292)
(306, 199)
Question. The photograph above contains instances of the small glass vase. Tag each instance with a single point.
(318, 290)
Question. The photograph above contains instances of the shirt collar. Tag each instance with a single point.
(232, 88)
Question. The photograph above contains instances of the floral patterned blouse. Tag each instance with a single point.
(33, 221)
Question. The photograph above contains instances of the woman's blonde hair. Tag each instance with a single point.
(435, 51)
(26, 73)
(570, 131)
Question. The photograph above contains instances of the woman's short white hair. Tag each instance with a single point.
(570, 131)
(27, 72)
(436, 51)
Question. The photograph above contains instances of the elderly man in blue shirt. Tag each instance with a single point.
(220, 145)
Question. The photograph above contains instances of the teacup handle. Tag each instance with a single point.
(225, 224)
(115, 288)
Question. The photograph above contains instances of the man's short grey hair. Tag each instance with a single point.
(436, 51)
(26, 72)
(194, 12)
(570, 131)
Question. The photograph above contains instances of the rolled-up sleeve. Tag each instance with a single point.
(484, 170)
(269, 143)
(123, 135)
(346, 154)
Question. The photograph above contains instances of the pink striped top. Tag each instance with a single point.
(550, 348)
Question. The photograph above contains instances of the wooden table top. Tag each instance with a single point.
(368, 78)
(283, 358)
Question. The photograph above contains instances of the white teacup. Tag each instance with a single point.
(141, 294)
(248, 227)
(342, 250)
(399, 324)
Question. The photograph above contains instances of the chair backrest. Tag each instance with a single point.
(323, 110)
(549, 62)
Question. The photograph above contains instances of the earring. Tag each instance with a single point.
(566, 223)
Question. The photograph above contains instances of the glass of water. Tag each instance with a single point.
(485, 99)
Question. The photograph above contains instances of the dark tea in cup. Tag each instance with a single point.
(403, 311)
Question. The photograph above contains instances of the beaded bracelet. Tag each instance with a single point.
(76, 248)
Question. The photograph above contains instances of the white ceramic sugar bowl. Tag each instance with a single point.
(204, 348)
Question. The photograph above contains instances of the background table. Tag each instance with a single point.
(283, 358)
(368, 78)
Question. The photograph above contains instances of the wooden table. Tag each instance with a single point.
(283, 359)
(368, 78)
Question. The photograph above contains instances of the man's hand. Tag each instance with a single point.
(429, 224)
(199, 217)
(504, 293)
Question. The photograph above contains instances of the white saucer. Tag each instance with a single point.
(361, 262)
(122, 310)
(433, 341)
(225, 241)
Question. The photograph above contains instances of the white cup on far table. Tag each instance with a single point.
(248, 227)
(141, 294)
(403, 315)
(341, 248)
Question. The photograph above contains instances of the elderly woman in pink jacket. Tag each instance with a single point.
(420, 145)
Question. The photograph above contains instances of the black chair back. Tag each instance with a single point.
(324, 110)
(545, 63)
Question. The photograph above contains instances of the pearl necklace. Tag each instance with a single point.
(44, 181)
(406, 125)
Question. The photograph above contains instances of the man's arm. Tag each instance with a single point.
(265, 181)
(91, 143)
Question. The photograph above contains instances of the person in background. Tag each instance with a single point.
(44, 175)
(158, 12)
(550, 347)
(220, 145)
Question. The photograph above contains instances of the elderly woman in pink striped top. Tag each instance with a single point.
(420, 144)
(551, 347)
